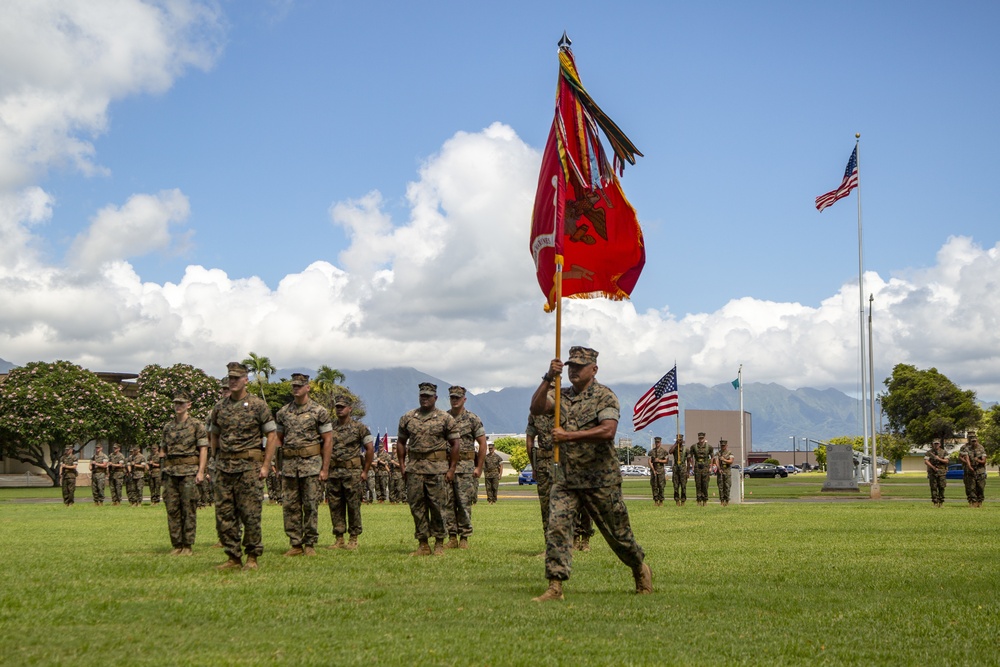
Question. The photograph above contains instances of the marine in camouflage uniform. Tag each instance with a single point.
(153, 476)
(936, 461)
(679, 471)
(382, 475)
(98, 475)
(184, 452)
(136, 465)
(973, 457)
(67, 475)
(369, 487)
(304, 431)
(397, 490)
(116, 468)
(658, 461)
(427, 448)
(492, 471)
(723, 475)
(588, 474)
(461, 493)
(238, 425)
(700, 457)
(348, 472)
(275, 490)
(538, 440)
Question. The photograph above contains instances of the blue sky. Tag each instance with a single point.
(354, 181)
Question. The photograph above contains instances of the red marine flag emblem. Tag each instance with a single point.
(581, 214)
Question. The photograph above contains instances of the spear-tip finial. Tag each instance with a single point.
(565, 41)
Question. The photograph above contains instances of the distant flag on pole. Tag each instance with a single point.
(385, 441)
(736, 383)
(581, 213)
(849, 183)
(378, 441)
(660, 401)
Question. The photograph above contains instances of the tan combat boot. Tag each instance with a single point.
(584, 543)
(231, 564)
(452, 542)
(553, 592)
(423, 550)
(352, 543)
(438, 547)
(463, 543)
(176, 552)
(643, 579)
(186, 551)
(339, 544)
(294, 551)
(251, 563)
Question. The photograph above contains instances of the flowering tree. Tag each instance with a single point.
(45, 407)
(156, 394)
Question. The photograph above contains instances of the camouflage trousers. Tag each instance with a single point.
(975, 486)
(154, 488)
(180, 495)
(369, 487)
(343, 494)
(97, 485)
(382, 485)
(701, 476)
(427, 496)
(583, 526)
(680, 480)
(543, 475)
(206, 492)
(397, 489)
(116, 489)
(300, 509)
(938, 482)
(274, 487)
(458, 504)
(68, 483)
(133, 487)
(607, 508)
(658, 482)
(238, 500)
(724, 481)
(492, 486)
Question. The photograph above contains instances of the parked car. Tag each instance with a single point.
(634, 471)
(765, 470)
(955, 471)
(792, 470)
(526, 476)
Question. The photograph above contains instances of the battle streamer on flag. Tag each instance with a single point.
(660, 401)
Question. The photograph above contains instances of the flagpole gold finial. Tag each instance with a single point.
(857, 135)
(565, 41)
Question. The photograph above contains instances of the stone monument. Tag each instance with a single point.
(840, 469)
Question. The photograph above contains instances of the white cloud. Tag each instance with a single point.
(138, 227)
(63, 63)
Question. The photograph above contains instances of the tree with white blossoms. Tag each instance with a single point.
(157, 385)
(45, 407)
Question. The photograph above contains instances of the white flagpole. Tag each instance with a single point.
(743, 447)
(876, 491)
(861, 300)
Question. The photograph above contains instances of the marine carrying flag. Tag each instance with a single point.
(849, 183)
(580, 210)
(660, 401)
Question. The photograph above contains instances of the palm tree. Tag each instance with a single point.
(326, 377)
(261, 367)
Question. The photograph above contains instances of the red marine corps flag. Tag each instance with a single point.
(582, 221)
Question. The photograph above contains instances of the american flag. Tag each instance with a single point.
(659, 401)
(849, 183)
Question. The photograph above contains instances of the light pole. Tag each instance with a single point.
(792, 438)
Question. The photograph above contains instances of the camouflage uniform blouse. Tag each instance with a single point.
(702, 455)
(348, 439)
(540, 427)
(182, 440)
(302, 426)
(657, 452)
(69, 460)
(938, 468)
(492, 465)
(119, 458)
(427, 433)
(470, 427)
(241, 425)
(138, 461)
(589, 464)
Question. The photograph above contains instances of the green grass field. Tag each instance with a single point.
(777, 583)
